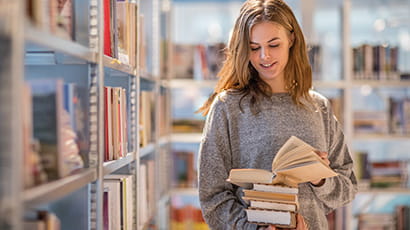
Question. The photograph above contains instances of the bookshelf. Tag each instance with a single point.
(95, 80)
(381, 44)
(337, 27)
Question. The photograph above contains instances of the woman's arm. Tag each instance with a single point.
(340, 190)
(220, 206)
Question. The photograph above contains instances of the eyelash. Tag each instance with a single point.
(272, 46)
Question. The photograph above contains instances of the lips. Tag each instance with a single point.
(268, 65)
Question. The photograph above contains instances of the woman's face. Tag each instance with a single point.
(270, 44)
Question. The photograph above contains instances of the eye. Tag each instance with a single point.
(254, 48)
(274, 46)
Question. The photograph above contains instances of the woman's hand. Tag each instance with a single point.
(300, 223)
(324, 157)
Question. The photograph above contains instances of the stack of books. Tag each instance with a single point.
(272, 204)
(388, 174)
(272, 195)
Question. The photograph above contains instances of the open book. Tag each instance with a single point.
(296, 162)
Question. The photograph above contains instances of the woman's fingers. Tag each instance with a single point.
(324, 156)
(301, 224)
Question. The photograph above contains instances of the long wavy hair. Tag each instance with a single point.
(238, 74)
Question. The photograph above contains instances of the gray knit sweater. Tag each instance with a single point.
(238, 139)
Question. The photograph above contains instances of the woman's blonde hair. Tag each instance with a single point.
(238, 74)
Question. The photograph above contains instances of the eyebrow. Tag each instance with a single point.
(273, 39)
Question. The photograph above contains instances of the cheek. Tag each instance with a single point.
(284, 54)
(253, 58)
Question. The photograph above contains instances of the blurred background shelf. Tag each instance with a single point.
(184, 191)
(398, 191)
(186, 137)
(57, 189)
(147, 150)
(181, 83)
(55, 43)
(381, 137)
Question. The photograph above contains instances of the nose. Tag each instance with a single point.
(264, 53)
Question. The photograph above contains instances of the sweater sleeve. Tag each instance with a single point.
(220, 206)
(340, 190)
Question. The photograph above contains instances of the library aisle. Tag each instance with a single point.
(99, 129)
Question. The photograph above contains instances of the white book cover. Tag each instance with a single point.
(114, 197)
(271, 217)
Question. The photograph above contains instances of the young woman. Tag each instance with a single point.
(262, 98)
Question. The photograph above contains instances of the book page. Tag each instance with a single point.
(309, 171)
(292, 145)
(294, 161)
(300, 152)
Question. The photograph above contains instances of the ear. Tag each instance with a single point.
(291, 39)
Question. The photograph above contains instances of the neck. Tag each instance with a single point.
(276, 89)
(277, 85)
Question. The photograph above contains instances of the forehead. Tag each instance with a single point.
(265, 31)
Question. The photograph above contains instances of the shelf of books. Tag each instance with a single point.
(183, 210)
(380, 90)
(73, 67)
(62, 98)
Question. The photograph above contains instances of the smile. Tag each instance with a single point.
(267, 65)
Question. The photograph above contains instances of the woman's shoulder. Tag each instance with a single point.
(226, 100)
(319, 98)
(228, 96)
